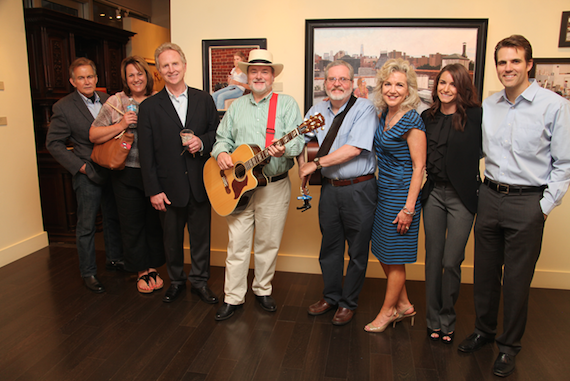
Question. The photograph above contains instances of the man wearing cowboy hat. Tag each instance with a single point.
(246, 122)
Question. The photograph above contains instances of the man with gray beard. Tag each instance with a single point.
(348, 194)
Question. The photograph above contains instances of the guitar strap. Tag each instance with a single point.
(335, 126)
(270, 132)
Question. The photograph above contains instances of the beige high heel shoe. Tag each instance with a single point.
(402, 315)
(372, 328)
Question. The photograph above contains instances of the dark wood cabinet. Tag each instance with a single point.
(54, 41)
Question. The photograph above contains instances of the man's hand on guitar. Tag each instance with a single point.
(158, 201)
(225, 161)
(276, 150)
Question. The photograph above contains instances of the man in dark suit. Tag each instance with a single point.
(72, 118)
(174, 182)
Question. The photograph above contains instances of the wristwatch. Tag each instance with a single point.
(318, 163)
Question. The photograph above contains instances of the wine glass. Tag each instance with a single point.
(186, 134)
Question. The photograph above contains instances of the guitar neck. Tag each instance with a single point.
(264, 154)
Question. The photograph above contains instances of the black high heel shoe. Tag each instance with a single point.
(431, 333)
(447, 338)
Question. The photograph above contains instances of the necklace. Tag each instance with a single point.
(387, 126)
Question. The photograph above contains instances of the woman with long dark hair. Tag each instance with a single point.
(449, 196)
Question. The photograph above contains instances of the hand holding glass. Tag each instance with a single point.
(186, 135)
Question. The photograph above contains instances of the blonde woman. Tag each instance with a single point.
(400, 147)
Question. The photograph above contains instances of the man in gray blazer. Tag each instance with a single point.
(72, 118)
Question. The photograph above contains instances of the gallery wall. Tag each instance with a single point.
(283, 24)
(21, 227)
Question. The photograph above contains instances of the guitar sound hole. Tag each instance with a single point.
(239, 171)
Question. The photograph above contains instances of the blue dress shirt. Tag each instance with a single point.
(357, 130)
(528, 143)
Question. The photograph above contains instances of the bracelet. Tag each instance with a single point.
(405, 210)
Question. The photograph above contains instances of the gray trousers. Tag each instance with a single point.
(508, 232)
(447, 225)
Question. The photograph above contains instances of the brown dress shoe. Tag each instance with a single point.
(320, 308)
(342, 316)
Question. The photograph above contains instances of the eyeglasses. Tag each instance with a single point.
(341, 80)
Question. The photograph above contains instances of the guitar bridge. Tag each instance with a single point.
(225, 181)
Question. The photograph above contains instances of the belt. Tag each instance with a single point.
(278, 177)
(512, 189)
(342, 183)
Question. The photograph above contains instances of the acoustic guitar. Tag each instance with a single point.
(229, 190)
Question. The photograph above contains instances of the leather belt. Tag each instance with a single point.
(343, 183)
(512, 189)
(278, 177)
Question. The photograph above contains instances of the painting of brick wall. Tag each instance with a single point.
(222, 62)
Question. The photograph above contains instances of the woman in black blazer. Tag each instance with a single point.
(453, 125)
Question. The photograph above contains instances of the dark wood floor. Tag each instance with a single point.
(52, 328)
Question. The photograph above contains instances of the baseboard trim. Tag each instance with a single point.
(23, 248)
(310, 265)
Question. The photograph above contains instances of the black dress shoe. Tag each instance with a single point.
(473, 343)
(226, 311)
(205, 294)
(92, 283)
(504, 365)
(266, 302)
(115, 265)
(173, 292)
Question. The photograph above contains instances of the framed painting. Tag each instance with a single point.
(429, 45)
(564, 39)
(552, 74)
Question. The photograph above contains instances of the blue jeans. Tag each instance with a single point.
(89, 197)
(222, 95)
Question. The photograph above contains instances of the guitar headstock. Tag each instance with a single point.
(312, 123)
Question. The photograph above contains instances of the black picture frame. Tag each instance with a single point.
(564, 39)
(389, 27)
(208, 46)
(557, 74)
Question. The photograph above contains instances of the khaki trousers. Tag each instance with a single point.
(266, 213)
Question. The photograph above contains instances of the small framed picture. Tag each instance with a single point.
(564, 40)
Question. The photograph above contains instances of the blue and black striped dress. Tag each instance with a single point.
(394, 176)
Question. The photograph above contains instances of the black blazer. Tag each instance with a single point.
(163, 168)
(462, 159)
(72, 120)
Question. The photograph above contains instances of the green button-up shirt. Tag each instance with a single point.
(245, 122)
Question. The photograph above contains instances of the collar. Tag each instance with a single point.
(172, 96)
(528, 94)
(265, 98)
(86, 100)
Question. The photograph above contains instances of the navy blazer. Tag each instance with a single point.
(163, 168)
(462, 158)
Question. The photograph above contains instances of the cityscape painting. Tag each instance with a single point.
(428, 44)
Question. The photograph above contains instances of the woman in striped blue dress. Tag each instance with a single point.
(400, 146)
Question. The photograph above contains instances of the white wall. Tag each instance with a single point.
(21, 227)
(283, 24)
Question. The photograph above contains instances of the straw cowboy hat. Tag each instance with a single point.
(261, 57)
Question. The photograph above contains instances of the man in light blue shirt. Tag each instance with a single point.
(348, 194)
(526, 135)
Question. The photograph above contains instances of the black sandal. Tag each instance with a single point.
(146, 278)
(431, 332)
(153, 275)
(449, 335)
